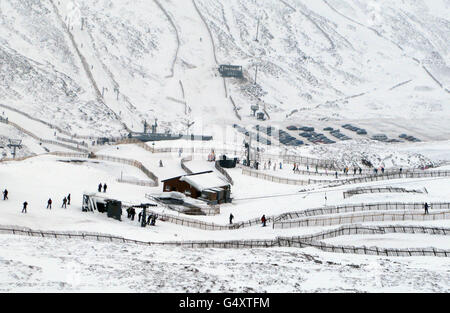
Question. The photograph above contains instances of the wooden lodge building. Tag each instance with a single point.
(203, 186)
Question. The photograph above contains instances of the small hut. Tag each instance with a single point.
(207, 186)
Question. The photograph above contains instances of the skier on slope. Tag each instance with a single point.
(5, 194)
(231, 218)
(64, 204)
(68, 199)
(104, 187)
(100, 187)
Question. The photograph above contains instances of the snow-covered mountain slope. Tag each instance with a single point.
(102, 67)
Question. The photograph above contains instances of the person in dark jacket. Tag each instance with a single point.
(336, 174)
(104, 187)
(139, 216)
(49, 204)
(25, 204)
(100, 187)
(426, 208)
(153, 221)
(263, 220)
(5, 194)
(231, 218)
(360, 171)
(64, 204)
(149, 219)
(132, 213)
(68, 199)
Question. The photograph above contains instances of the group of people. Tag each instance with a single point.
(100, 187)
(268, 165)
(151, 219)
(263, 219)
(211, 156)
(65, 202)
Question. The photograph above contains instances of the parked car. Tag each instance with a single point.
(380, 137)
(292, 127)
(361, 132)
(328, 128)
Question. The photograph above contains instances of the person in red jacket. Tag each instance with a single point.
(263, 220)
(49, 204)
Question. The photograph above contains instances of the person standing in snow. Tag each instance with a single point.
(336, 174)
(5, 194)
(231, 218)
(400, 170)
(100, 187)
(104, 187)
(360, 171)
(354, 171)
(68, 199)
(160, 163)
(24, 210)
(426, 208)
(64, 204)
(153, 221)
(149, 219)
(263, 220)
(49, 204)
(139, 216)
(281, 166)
(133, 213)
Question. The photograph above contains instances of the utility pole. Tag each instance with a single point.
(188, 125)
(257, 31)
(14, 144)
(256, 73)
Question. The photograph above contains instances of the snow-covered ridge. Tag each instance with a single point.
(102, 65)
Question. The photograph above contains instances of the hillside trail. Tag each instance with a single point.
(197, 70)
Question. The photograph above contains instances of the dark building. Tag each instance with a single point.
(204, 186)
(230, 71)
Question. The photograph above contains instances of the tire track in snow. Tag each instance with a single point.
(176, 34)
(401, 84)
